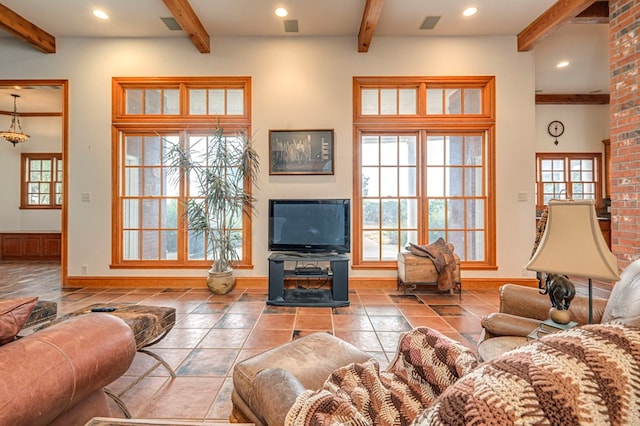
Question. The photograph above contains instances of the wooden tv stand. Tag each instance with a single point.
(336, 273)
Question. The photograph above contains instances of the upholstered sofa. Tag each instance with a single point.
(57, 375)
(589, 374)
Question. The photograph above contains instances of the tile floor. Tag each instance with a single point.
(213, 332)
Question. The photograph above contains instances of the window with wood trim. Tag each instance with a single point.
(150, 116)
(423, 167)
(41, 183)
(568, 176)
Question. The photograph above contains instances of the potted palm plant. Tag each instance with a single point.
(219, 169)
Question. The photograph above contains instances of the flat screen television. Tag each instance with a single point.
(310, 226)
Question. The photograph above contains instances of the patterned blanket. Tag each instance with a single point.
(584, 376)
(588, 375)
(426, 363)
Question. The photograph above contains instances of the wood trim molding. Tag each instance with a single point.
(370, 17)
(568, 99)
(562, 12)
(26, 30)
(190, 23)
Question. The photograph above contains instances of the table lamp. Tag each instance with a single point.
(572, 244)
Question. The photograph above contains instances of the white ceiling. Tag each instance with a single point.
(584, 45)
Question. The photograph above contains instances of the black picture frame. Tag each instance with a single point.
(301, 152)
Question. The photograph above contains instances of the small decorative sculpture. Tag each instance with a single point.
(561, 292)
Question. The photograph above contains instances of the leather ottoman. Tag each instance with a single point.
(311, 359)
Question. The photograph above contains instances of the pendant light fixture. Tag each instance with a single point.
(15, 134)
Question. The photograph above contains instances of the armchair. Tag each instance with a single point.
(523, 308)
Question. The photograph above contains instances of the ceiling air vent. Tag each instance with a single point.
(291, 26)
(429, 22)
(172, 24)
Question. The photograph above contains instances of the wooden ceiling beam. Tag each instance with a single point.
(370, 17)
(597, 13)
(553, 18)
(26, 31)
(566, 99)
(190, 23)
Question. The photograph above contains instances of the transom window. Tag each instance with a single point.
(425, 177)
(41, 181)
(150, 118)
(568, 176)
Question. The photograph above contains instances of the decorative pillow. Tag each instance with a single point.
(13, 314)
(624, 303)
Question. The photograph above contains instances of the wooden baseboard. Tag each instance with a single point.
(261, 283)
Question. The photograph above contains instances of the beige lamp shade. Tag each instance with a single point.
(572, 243)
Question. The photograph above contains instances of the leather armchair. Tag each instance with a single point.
(523, 308)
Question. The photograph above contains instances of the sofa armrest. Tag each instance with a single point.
(56, 368)
(275, 391)
(501, 324)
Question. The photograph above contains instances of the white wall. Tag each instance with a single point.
(298, 83)
(585, 126)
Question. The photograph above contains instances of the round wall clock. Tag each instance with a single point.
(556, 129)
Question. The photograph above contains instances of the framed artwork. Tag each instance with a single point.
(301, 152)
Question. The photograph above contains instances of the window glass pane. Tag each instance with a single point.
(473, 181)
(369, 101)
(150, 213)
(150, 244)
(196, 244)
(370, 150)
(475, 246)
(152, 181)
(370, 182)
(171, 101)
(475, 213)
(133, 101)
(371, 246)
(408, 181)
(437, 216)
(152, 150)
(409, 213)
(170, 181)
(133, 181)
(131, 245)
(216, 102)
(454, 182)
(473, 150)
(235, 101)
(435, 181)
(453, 101)
(407, 237)
(407, 151)
(389, 181)
(435, 151)
(389, 101)
(408, 101)
(46, 165)
(131, 213)
(454, 150)
(152, 101)
(434, 101)
(457, 239)
(169, 213)
(197, 101)
(390, 245)
(389, 150)
(472, 101)
(390, 214)
(169, 244)
(133, 150)
(371, 213)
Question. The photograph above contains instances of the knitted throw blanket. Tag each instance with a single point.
(584, 376)
(426, 363)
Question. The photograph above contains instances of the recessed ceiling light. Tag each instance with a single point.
(281, 12)
(562, 64)
(100, 14)
(470, 11)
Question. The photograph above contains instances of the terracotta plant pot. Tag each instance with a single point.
(221, 282)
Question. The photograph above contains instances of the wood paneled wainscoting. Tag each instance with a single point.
(30, 245)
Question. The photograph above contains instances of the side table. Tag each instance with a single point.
(496, 346)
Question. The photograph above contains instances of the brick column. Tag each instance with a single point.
(624, 58)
